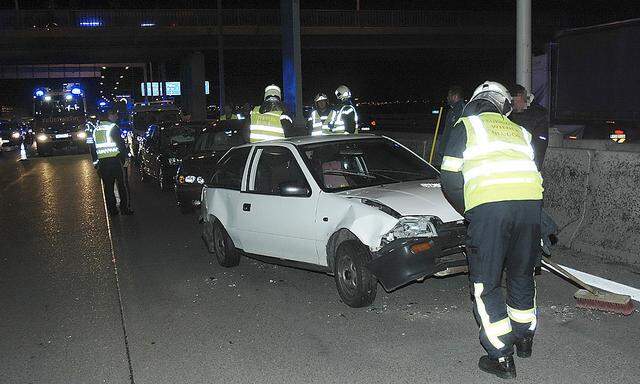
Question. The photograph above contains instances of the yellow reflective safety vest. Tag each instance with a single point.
(234, 116)
(265, 126)
(105, 146)
(498, 162)
(320, 123)
(337, 121)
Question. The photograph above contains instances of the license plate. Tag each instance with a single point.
(62, 136)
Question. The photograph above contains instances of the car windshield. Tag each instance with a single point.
(352, 164)
(217, 141)
(177, 136)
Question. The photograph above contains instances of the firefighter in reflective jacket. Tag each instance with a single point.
(318, 121)
(109, 155)
(489, 174)
(344, 119)
(228, 114)
(269, 121)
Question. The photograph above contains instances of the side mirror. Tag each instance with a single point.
(294, 189)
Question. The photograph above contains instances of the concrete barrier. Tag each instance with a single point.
(592, 190)
(594, 195)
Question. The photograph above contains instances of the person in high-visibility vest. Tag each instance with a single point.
(344, 118)
(109, 154)
(228, 114)
(269, 121)
(318, 120)
(489, 175)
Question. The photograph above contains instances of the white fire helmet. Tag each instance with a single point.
(495, 93)
(272, 91)
(319, 96)
(343, 92)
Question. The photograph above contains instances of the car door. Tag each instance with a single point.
(274, 221)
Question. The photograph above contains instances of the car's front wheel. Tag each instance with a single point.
(220, 244)
(356, 285)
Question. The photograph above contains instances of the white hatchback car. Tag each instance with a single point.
(362, 208)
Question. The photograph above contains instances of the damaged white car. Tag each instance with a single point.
(362, 208)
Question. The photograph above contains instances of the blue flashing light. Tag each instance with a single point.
(76, 91)
(102, 103)
(39, 93)
(91, 22)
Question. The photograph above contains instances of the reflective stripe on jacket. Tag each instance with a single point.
(337, 119)
(265, 126)
(320, 123)
(497, 164)
(103, 140)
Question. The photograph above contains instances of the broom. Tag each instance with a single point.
(592, 298)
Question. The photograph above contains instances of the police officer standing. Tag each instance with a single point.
(269, 121)
(489, 173)
(109, 155)
(455, 100)
(318, 121)
(344, 119)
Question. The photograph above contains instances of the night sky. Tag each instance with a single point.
(372, 74)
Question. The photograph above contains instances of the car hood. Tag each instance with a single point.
(409, 198)
(201, 163)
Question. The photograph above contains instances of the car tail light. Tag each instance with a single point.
(420, 247)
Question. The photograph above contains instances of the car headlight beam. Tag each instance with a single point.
(42, 137)
(15, 135)
(411, 226)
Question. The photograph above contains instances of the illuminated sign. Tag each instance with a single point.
(173, 88)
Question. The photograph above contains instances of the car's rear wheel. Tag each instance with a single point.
(356, 285)
(221, 245)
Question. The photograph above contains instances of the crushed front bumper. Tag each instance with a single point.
(405, 260)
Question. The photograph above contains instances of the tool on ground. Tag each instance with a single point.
(435, 135)
(592, 298)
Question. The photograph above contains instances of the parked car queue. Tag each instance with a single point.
(362, 208)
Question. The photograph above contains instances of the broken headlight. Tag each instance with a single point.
(411, 226)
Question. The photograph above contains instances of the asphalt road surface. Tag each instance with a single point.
(86, 299)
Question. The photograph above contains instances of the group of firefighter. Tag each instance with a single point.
(488, 173)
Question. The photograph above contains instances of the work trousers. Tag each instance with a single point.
(112, 172)
(503, 236)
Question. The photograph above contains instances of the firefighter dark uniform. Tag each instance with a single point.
(489, 173)
(344, 120)
(320, 117)
(109, 153)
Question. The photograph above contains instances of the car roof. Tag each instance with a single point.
(303, 140)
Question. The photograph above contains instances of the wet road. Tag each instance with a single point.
(188, 320)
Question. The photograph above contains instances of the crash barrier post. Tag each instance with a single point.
(592, 190)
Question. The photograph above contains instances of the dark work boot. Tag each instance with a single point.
(504, 367)
(524, 346)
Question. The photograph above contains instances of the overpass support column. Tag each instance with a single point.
(523, 44)
(194, 99)
(291, 60)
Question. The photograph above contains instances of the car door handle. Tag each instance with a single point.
(246, 207)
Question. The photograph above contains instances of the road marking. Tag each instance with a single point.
(601, 283)
(117, 279)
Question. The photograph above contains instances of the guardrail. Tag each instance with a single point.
(148, 18)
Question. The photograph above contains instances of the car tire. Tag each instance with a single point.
(221, 245)
(356, 285)
(162, 183)
(143, 175)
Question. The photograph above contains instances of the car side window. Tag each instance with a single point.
(228, 173)
(276, 167)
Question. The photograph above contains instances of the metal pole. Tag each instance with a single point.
(523, 44)
(220, 60)
(144, 81)
(291, 60)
